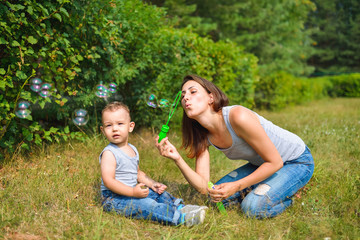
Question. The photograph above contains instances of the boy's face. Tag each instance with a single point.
(116, 126)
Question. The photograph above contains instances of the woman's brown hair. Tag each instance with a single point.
(194, 136)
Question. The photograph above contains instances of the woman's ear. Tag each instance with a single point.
(211, 98)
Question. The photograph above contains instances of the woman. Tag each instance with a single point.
(279, 161)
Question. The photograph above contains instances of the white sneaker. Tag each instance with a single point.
(190, 208)
(195, 217)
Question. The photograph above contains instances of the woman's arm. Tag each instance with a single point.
(198, 178)
(247, 126)
(108, 166)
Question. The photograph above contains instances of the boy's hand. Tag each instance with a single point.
(158, 187)
(140, 192)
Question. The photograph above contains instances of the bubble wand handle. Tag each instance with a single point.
(165, 128)
(220, 205)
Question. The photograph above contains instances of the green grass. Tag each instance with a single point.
(54, 194)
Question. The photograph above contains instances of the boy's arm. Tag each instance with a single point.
(108, 166)
(155, 186)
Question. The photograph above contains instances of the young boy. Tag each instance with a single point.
(128, 190)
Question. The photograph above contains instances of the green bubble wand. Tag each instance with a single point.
(220, 205)
(165, 128)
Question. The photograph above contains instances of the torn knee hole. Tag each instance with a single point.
(233, 174)
(262, 189)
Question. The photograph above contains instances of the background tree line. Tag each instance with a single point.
(300, 37)
(256, 51)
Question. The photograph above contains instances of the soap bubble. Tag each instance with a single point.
(151, 101)
(36, 81)
(163, 103)
(112, 87)
(101, 91)
(36, 85)
(45, 90)
(22, 109)
(23, 105)
(35, 88)
(80, 117)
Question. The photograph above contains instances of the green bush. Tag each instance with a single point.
(76, 45)
(282, 89)
(347, 85)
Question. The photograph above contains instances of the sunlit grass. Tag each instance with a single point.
(54, 193)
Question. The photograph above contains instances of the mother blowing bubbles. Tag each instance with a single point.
(279, 162)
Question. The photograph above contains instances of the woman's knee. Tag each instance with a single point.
(253, 210)
(256, 205)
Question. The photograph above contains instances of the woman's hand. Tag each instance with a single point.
(223, 191)
(158, 187)
(166, 149)
(140, 191)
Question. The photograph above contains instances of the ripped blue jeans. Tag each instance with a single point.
(273, 195)
(162, 208)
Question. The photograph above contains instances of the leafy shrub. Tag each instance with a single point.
(77, 45)
(281, 89)
(347, 85)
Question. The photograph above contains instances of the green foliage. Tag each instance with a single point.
(76, 45)
(336, 35)
(33, 44)
(281, 89)
(273, 30)
(346, 85)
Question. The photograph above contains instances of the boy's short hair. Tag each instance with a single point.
(113, 106)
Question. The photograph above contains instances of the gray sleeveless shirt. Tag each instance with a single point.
(289, 145)
(126, 166)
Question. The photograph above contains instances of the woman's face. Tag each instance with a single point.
(195, 99)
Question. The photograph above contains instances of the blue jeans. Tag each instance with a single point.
(162, 208)
(273, 195)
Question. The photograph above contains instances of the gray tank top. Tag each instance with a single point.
(289, 145)
(126, 167)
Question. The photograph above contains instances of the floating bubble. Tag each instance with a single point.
(152, 97)
(36, 81)
(163, 103)
(151, 101)
(45, 90)
(36, 85)
(44, 93)
(101, 91)
(22, 110)
(35, 88)
(112, 87)
(80, 117)
(23, 105)
(46, 86)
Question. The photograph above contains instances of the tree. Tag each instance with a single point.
(273, 30)
(337, 36)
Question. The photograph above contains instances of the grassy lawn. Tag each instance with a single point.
(54, 192)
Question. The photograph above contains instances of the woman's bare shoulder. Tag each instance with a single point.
(240, 116)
